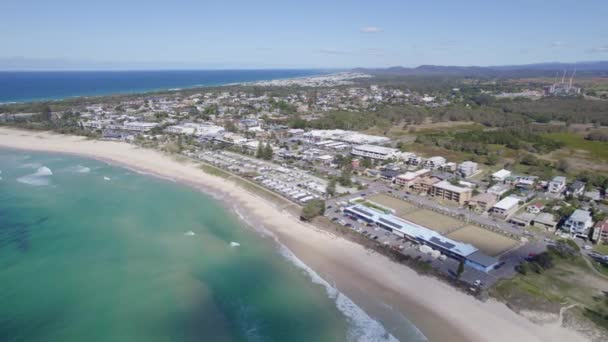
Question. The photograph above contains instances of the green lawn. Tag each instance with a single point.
(574, 141)
(602, 249)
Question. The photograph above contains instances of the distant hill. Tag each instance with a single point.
(599, 68)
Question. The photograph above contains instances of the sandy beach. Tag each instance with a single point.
(441, 312)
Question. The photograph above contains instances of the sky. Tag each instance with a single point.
(184, 34)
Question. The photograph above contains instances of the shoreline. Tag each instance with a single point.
(440, 312)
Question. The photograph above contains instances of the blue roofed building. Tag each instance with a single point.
(455, 249)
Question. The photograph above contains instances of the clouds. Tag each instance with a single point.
(599, 49)
(370, 29)
(558, 43)
(333, 52)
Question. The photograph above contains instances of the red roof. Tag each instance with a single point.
(603, 225)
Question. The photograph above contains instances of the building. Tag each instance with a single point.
(523, 219)
(449, 167)
(389, 172)
(557, 185)
(345, 136)
(499, 189)
(535, 208)
(501, 175)
(545, 220)
(424, 184)
(483, 201)
(139, 126)
(232, 138)
(505, 207)
(467, 169)
(180, 129)
(445, 190)
(407, 179)
(576, 189)
(414, 160)
(374, 152)
(579, 222)
(600, 232)
(433, 162)
(425, 236)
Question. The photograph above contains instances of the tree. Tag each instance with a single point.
(230, 126)
(346, 175)
(492, 159)
(267, 152)
(366, 163)
(562, 165)
(312, 209)
(45, 113)
(331, 187)
(260, 151)
(180, 145)
(460, 269)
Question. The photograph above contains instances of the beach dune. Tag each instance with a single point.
(441, 312)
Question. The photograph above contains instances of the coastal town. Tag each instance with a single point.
(473, 221)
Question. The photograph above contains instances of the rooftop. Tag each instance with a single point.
(450, 187)
(507, 203)
(580, 215)
(414, 230)
(375, 149)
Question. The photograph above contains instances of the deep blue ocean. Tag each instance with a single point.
(26, 86)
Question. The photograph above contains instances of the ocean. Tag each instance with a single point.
(27, 86)
(95, 252)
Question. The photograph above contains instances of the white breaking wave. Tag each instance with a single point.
(38, 178)
(78, 169)
(31, 165)
(362, 327)
(106, 178)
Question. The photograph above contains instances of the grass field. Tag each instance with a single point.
(401, 207)
(568, 281)
(435, 221)
(602, 249)
(595, 149)
(489, 242)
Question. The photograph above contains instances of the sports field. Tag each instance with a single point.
(438, 222)
(401, 207)
(487, 241)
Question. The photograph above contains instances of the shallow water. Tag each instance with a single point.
(95, 252)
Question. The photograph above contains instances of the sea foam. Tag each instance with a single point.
(362, 328)
(38, 178)
(78, 169)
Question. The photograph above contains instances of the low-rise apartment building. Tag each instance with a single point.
(447, 191)
(374, 152)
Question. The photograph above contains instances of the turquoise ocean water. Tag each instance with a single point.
(93, 252)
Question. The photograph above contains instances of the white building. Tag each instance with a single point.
(180, 129)
(232, 138)
(345, 136)
(579, 222)
(407, 179)
(139, 126)
(414, 160)
(500, 175)
(557, 185)
(374, 152)
(434, 162)
(467, 168)
(505, 207)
